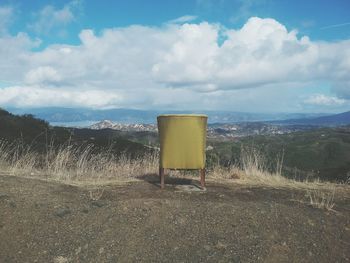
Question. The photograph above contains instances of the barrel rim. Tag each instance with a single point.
(183, 115)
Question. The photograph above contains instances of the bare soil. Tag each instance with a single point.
(42, 221)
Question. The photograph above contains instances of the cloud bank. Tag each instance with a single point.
(323, 100)
(173, 65)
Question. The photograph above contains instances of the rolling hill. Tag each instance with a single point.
(330, 120)
(28, 130)
(318, 153)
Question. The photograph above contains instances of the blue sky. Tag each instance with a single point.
(311, 17)
(254, 56)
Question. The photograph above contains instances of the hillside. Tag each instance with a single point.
(330, 120)
(319, 153)
(25, 126)
(27, 130)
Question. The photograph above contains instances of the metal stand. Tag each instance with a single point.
(202, 175)
(161, 177)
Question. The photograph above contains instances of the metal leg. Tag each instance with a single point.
(202, 175)
(161, 177)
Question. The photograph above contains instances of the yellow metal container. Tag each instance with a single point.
(182, 141)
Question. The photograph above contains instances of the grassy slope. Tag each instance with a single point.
(37, 133)
(322, 153)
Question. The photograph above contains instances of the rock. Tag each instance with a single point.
(85, 210)
(60, 259)
(207, 247)
(3, 195)
(98, 203)
(77, 251)
(188, 188)
(61, 212)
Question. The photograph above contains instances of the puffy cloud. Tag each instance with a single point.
(191, 59)
(29, 96)
(262, 52)
(15, 56)
(42, 75)
(323, 100)
(179, 65)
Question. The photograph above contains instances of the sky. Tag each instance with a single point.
(232, 55)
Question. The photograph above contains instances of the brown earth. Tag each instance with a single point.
(42, 221)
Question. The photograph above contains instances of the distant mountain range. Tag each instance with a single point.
(70, 115)
(329, 120)
(107, 124)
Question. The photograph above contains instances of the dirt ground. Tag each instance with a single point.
(43, 221)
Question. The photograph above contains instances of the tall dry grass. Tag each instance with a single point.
(254, 169)
(84, 163)
(73, 163)
(321, 199)
(257, 170)
(16, 157)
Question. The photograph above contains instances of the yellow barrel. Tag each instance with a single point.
(182, 141)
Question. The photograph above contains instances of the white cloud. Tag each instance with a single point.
(261, 52)
(6, 17)
(181, 65)
(183, 19)
(336, 25)
(42, 75)
(29, 96)
(191, 58)
(323, 100)
(15, 56)
(50, 18)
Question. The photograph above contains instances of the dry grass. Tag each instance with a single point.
(82, 165)
(254, 170)
(321, 199)
(70, 163)
(16, 157)
(96, 194)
